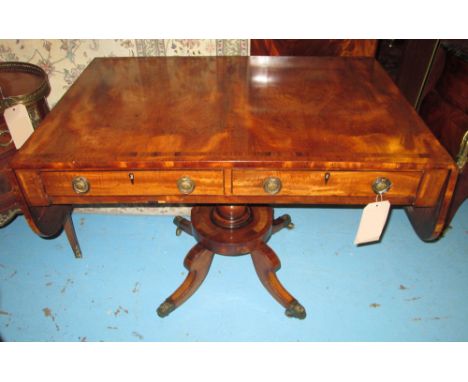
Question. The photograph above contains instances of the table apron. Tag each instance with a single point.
(230, 186)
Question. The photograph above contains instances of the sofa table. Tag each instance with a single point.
(233, 136)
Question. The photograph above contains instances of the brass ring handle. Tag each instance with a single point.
(185, 185)
(381, 185)
(80, 184)
(272, 185)
(3, 132)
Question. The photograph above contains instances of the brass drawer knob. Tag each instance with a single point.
(272, 185)
(185, 185)
(80, 184)
(381, 185)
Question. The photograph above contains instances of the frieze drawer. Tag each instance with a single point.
(324, 183)
(133, 183)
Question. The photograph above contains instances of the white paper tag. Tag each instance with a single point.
(19, 124)
(373, 219)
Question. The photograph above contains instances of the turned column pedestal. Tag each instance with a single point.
(232, 230)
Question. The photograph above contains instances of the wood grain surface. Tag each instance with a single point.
(231, 122)
(231, 111)
(313, 47)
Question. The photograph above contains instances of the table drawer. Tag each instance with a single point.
(133, 183)
(322, 183)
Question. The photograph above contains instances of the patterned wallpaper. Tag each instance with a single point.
(64, 60)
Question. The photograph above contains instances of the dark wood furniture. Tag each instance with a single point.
(234, 136)
(410, 63)
(415, 66)
(445, 110)
(313, 47)
(27, 84)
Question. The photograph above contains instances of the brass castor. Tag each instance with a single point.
(166, 308)
(287, 221)
(296, 310)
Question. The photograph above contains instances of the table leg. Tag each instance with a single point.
(430, 222)
(49, 222)
(71, 235)
(282, 222)
(197, 262)
(266, 264)
(183, 225)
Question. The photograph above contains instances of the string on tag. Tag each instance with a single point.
(380, 194)
(374, 216)
(1, 93)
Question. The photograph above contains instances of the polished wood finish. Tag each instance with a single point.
(302, 112)
(209, 228)
(128, 183)
(231, 217)
(266, 264)
(33, 189)
(232, 231)
(71, 235)
(9, 205)
(276, 115)
(233, 133)
(198, 263)
(328, 183)
(415, 67)
(307, 47)
(445, 110)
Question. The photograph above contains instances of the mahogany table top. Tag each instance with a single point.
(179, 112)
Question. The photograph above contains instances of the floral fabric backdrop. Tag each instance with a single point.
(64, 60)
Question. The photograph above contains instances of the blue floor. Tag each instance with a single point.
(401, 289)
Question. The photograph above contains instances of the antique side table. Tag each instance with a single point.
(234, 136)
